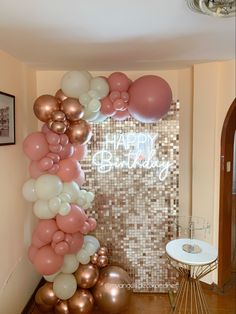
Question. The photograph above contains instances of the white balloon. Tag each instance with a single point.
(72, 189)
(90, 116)
(91, 248)
(93, 240)
(64, 209)
(75, 83)
(70, 264)
(86, 74)
(94, 94)
(28, 191)
(94, 105)
(65, 197)
(42, 211)
(85, 99)
(64, 286)
(81, 202)
(54, 204)
(83, 257)
(90, 196)
(48, 186)
(100, 85)
(101, 118)
(51, 278)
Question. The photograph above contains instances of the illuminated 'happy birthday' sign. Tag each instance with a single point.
(130, 151)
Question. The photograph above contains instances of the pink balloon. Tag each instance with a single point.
(54, 169)
(54, 157)
(80, 180)
(55, 148)
(47, 262)
(68, 238)
(86, 228)
(58, 236)
(46, 229)
(80, 152)
(45, 129)
(92, 223)
(121, 115)
(45, 163)
(118, 81)
(32, 251)
(114, 95)
(74, 221)
(120, 105)
(36, 242)
(35, 146)
(62, 248)
(150, 98)
(125, 96)
(64, 139)
(67, 151)
(53, 138)
(34, 170)
(69, 169)
(107, 107)
(76, 243)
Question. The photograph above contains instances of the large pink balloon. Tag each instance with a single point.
(45, 230)
(35, 146)
(118, 81)
(76, 243)
(46, 261)
(74, 221)
(35, 169)
(36, 241)
(150, 98)
(69, 169)
(80, 152)
(32, 251)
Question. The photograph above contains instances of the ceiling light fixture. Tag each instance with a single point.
(217, 8)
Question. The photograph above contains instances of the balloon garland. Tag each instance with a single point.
(72, 262)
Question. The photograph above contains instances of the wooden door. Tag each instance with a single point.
(226, 180)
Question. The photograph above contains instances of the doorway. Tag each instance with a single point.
(227, 215)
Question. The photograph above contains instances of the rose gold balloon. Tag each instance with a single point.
(45, 295)
(87, 275)
(44, 107)
(111, 292)
(72, 109)
(81, 302)
(60, 96)
(102, 261)
(58, 116)
(61, 308)
(103, 251)
(79, 132)
(58, 127)
(94, 259)
(43, 308)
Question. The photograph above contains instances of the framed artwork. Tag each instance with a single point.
(7, 119)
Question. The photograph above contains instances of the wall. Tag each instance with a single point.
(48, 82)
(214, 92)
(17, 276)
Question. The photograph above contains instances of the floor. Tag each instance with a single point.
(221, 303)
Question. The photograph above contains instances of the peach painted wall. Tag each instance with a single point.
(181, 83)
(214, 92)
(17, 276)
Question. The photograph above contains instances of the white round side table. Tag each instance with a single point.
(192, 266)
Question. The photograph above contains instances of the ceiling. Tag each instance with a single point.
(112, 35)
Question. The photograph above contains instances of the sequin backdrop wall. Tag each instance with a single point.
(134, 209)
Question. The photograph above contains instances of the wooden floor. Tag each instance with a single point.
(222, 303)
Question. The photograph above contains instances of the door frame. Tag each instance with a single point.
(222, 225)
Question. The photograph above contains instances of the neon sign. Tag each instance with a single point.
(130, 151)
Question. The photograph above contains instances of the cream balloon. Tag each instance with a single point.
(64, 209)
(51, 278)
(92, 240)
(90, 116)
(90, 196)
(72, 189)
(100, 85)
(54, 204)
(74, 84)
(70, 264)
(101, 118)
(42, 211)
(64, 286)
(91, 248)
(48, 186)
(94, 105)
(94, 94)
(83, 257)
(65, 197)
(28, 191)
(86, 74)
(85, 99)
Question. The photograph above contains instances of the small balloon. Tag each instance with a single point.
(72, 109)
(58, 127)
(60, 96)
(61, 308)
(58, 116)
(87, 276)
(102, 261)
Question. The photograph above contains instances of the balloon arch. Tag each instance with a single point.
(73, 263)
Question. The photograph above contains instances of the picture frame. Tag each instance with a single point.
(7, 119)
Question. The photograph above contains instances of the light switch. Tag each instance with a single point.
(228, 166)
